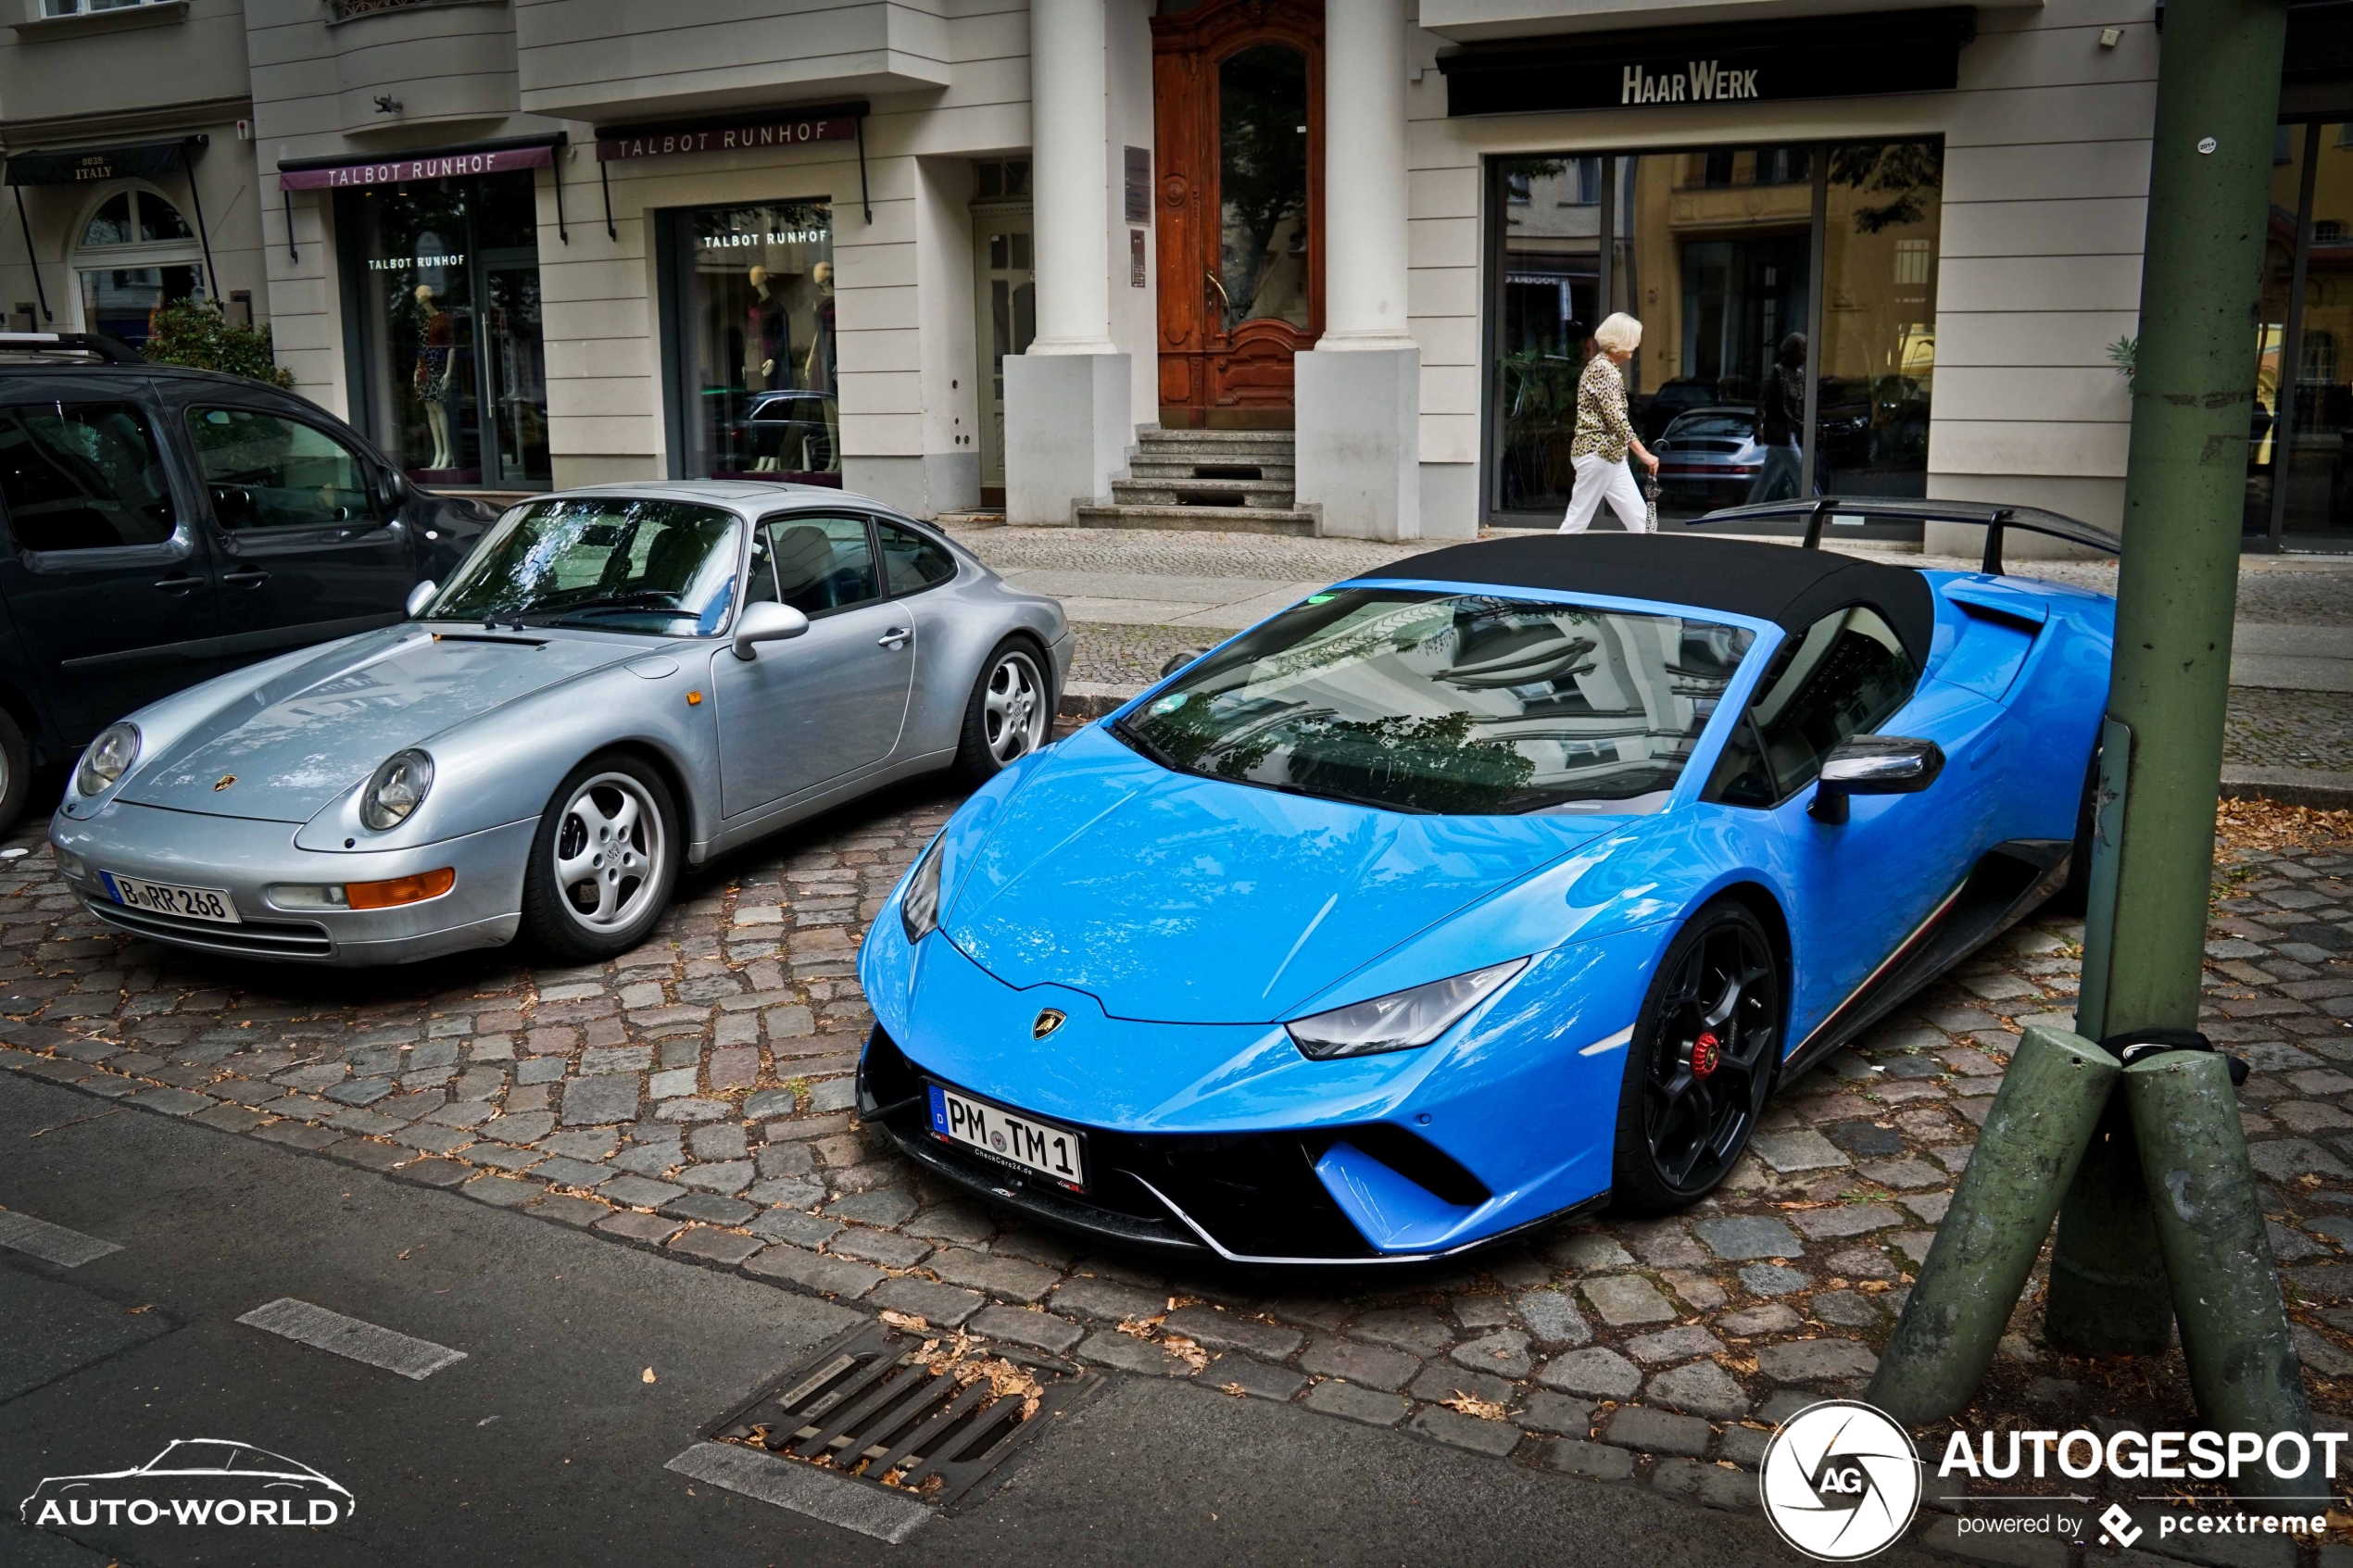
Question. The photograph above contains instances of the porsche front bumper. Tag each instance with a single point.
(246, 857)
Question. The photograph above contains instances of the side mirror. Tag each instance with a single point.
(1178, 660)
(767, 621)
(422, 595)
(1873, 765)
(392, 487)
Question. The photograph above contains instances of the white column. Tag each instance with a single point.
(1067, 422)
(1359, 391)
(1364, 175)
(1069, 197)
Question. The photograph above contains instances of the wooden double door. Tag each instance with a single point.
(1238, 91)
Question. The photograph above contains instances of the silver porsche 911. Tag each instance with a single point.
(615, 681)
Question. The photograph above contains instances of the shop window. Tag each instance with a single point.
(2299, 475)
(136, 254)
(444, 286)
(751, 312)
(1713, 251)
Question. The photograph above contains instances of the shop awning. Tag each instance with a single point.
(89, 166)
(354, 173)
(84, 165)
(1832, 56)
(429, 163)
(793, 126)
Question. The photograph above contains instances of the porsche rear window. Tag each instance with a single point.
(1460, 704)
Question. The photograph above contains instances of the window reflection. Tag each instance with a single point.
(1262, 185)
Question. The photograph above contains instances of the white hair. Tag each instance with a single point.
(1618, 333)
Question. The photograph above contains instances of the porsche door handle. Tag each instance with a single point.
(894, 639)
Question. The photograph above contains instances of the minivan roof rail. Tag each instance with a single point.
(99, 346)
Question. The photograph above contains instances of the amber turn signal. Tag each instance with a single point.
(693, 699)
(401, 889)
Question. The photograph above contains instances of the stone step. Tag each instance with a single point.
(1259, 444)
(1154, 469)
(1222, 494)
(1301, 521)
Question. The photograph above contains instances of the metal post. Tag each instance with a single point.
(2218, 93)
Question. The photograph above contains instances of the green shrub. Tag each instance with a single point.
(195, 333)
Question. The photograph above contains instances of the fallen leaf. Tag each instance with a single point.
(1471, 1404)
(1238, 1392)
(907, 1321)
(646, 1376)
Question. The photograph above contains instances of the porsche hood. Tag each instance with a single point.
(1175, 899)
(301, 739)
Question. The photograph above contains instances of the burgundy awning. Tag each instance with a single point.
(439, 163)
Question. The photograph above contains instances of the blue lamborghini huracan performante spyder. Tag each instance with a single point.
(1477, 891)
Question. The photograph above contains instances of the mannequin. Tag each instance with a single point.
(818, 372)
(433, 370)
(767, 339)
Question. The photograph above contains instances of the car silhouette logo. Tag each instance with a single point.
(224, 782)
(1048, 1020)
(194, 1481)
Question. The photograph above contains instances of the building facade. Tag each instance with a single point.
(963, 252)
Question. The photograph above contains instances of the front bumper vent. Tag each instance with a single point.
(276, 940)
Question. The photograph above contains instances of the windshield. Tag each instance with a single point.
(609, 561)
(1464, 704)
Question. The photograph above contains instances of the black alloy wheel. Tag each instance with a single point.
(1702, 1060)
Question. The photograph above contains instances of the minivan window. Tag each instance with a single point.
(82, 476)
(264, 472)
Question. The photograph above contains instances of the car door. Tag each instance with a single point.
(106, 570)
(828, 703)
(307, 552)
(1859, 887)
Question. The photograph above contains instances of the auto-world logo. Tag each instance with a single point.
(1841, 1480)
(194, 1481)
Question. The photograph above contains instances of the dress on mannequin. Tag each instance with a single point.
(818, 375)
(767, 336)
(432, 379)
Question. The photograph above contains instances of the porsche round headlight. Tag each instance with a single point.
(398, 789)
(1401, 1020)
(918, 906)
(109, 756)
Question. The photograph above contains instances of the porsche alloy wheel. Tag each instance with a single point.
(602, 862)
(1700, 1062)
(1010, 713)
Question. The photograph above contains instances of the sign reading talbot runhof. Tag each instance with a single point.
(727, 137)
(402, 170)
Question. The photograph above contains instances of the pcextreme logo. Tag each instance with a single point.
(194, 1481)
(1841, 1480)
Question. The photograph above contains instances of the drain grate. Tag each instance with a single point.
(926, 1415)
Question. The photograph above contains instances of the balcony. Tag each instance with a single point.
(608, 60)
(435, 62)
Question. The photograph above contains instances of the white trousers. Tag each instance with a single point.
(1600, 480)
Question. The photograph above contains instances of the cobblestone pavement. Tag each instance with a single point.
(2283, 729)
(695, 1096)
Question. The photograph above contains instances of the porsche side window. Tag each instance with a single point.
(911, 561)
(1846, 675)
(82, 476)
(821, 563)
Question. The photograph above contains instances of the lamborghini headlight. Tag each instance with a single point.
(919, 906)
(1401, 1020)
(108, 758)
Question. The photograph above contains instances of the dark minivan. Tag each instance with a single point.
(159, 526)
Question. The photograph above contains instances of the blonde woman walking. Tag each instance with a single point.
(1604, 434)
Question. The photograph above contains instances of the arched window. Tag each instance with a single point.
(133, 255)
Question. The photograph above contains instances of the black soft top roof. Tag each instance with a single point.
(1778, 583)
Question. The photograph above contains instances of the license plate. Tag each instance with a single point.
(165, 898)
(1057, 1153)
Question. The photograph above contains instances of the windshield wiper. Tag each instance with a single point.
(1152, 751)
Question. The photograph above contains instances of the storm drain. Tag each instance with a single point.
(916, 1414)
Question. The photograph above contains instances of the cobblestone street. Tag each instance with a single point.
(695, 1096)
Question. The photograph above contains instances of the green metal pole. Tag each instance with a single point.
(2108, 1294)
(2244, 1368)
(2042, 1117)
(2184, 490)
